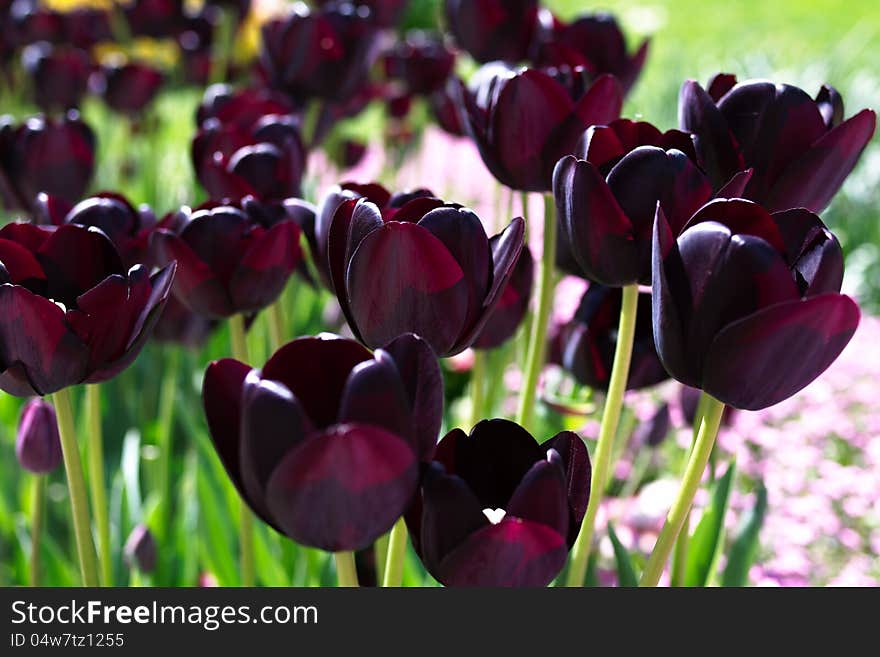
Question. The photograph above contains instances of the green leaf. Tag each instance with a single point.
(705, 544)
(626, 574)
(745, 545)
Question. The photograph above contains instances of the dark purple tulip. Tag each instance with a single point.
(416, 265)
(59, 75)
(155, 18)
(421, 61)
(87, 26)
(497, 509)
(585, 346)
(69, 311)
(229, 259)
(319, 53)
(242, 108)
(112, 213)
(593, 41)
(325, 442)
(128, 88)
(140, 549)
(445, 108)
(653, 431)
(38, 443)
(747, 304)
(800, 148)
(507, 316)
(56, 156)
(266, 159)
(689, 401)
(524, 122)
(606, 196)
(493, 30)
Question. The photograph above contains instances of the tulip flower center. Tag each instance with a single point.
(494, 515)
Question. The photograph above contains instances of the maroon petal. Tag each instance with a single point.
(774, 353)
(343, 488)
(742, 217)
(402, 279)
(423, 382)
(508, 314)
(272, 423)
(542, 495)
(315, 369)
(601, 104)
(264, 269)
(578, 474)
(814, 179)
(38, 351)
(735, 187)
(20, 263)
(512, 553)
(598, 231)
(374, 395)
(830, 104)
(720, 84)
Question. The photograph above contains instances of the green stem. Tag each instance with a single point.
(246, 518)
(95, 443)
(380, 550)
(38, 503)
(538, 338)
(276, 326)
(345, 569)
(165, 438)
(685, 498)
(680, 552)
(396, 551)
(610, 419)
(478, 386)
(79, 504)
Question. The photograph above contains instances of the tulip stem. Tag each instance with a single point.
(79, 504)
(164, 439)
(478, 386)
(610, 419)
(538, 338)
(346, 571)
(276, 326)
(679, 555)
(95, 445)
(38, 505)
(246, 518)
(393, 575)
(685, 498)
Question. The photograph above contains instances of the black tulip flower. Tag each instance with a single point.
(415, 264)
(446, 110)
(498, 509)
(585, 346)
(128, 88)
(140, 549)
(323, 54)
(241, 108)
(747, 304)
(652, 431)
(38, 443)
(421, 61)
(229, 259)
(326, 441)
(59, 75)
(607, 193)
(56, 156)
(71, 312)
(593, 41)
(507, 316)
(524, 122)
(493, 30)
(801, 148)
(126, 226)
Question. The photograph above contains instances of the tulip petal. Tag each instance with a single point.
(716, 146)
(769, 356)
(542, 495)
(76, 259)
(599, 232)
(403, 279)
(423, 381)
(374, 395)
(744, 218)
(513, 304)
(21, 265)
(736, 186)
(328, 360)
(265, 267)
(513, 553)
(38, 351)
(578, 474)
(814, 179)
(343, 488)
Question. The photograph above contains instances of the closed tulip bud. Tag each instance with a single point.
(801, 148)
(140, 549)
(128, 88)
(38, 444)
(59, 75)
(421, 61)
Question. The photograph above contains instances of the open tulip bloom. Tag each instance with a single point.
(498, 509)
(418, 265)
(801, 148)
(325, 442)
